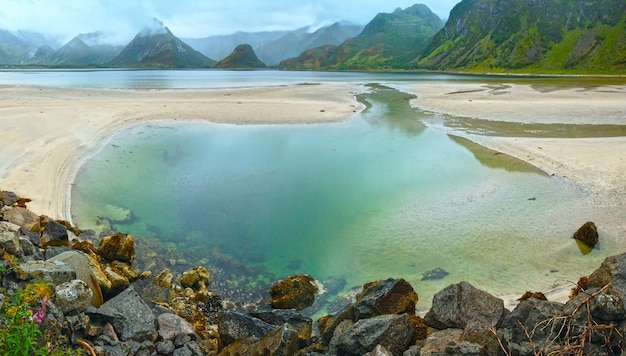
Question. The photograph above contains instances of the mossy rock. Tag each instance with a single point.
(587, 234)
(117, 247)
(296, 292)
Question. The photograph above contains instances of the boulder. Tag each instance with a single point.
(73, 296)
(10, 238)
(449, 342)
(23, 217)
(612, 270)
(30, 251)
(531, 323)
(459, 304)
(390, 296)
(172, 325)
(587, 234)
(130, 316)
(87, 270)
(117, 247)
(235, 326)
(393, 332)
(296, 292)
(327, 324)
(282, 341)
(9, 198)
(302, 324)
(194, 276)
(379, 350)
(605, 307)
(54, 234)
(53, 272)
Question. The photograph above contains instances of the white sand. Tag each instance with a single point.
(46, 132)
(596, 165)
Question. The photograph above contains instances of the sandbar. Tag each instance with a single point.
(46, 133)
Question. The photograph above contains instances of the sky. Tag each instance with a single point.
(122, 19)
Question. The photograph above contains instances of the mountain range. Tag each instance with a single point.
(539, 36)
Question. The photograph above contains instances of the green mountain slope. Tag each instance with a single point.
(389, 40)
(159, 48)
(243, 57)
(531, 36)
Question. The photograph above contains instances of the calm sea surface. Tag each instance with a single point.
(379, 195)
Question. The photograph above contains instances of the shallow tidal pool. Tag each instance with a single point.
(379, 195)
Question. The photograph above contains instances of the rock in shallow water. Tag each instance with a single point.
(587, 234)
(434, 274)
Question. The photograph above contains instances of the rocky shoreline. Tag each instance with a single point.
(65, 291)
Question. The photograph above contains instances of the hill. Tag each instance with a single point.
(531, 36)
(85, 49)
(157, 47)
(243, 57)
(389, 40)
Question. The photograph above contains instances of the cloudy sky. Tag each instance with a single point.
(193, 18)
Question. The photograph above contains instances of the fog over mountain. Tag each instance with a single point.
(121, 20)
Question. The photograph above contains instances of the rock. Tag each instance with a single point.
(479, 334)
(165, 347)
(52, 251)
(10, 238)
(130, 316)
(54, 272)
(54, 234)
(9, 198)
(612, 270)
(119, 282)
(587, 234)
(172, 325)
(72, 297)
(459, 304)
(379, 350)
(29, 250)
(117, 247)
(234, 326)
(296, 292)
(327, 324)
(282, 341)
(393, 332)
(605, 307)
(434, 274)
(23, 217)
(531, 314)
(88, 271)
(302, 324)
(421, 329)
(413, 351)
(193, 277)
(449, 342)
(391, 296)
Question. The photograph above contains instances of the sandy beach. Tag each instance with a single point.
(595, 164)
(47, 132)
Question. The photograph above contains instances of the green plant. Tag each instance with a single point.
(21, 334)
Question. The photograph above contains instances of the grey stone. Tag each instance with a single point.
(171, 325)
(302, 324)
(449, 342)
(165, 347)
(282, 341)
(54, 234)
(459, 304)
(23, 217)
(52, 272)
(10, 238)
(234, 326)
(379, 350)
(30, 250)
(8, 198)
(73, 297)
(413, 351)
(533, 315)
(390, 296)
(130, 316)
(394, 332)
(181, 339)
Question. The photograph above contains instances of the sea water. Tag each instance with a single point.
(379, 195)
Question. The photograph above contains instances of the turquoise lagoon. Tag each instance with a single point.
(379, 195)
